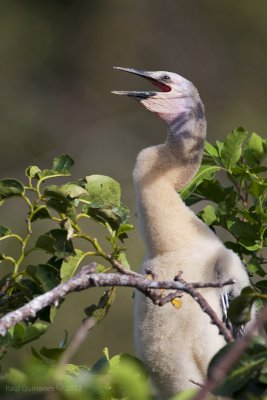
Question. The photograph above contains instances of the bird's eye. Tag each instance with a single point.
(165, 77)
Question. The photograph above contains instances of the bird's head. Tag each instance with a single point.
(176, 95)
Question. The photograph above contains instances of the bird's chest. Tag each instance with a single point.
(195, 265)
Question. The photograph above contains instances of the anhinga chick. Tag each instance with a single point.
(177, 345)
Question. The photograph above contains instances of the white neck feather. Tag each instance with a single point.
(159, 172)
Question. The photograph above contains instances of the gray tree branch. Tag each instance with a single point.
(87, 278)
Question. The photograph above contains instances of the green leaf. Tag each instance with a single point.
(114, 216)
(62, 164)
(258, 188)
(211, 150)
(22, 334)
(123, 260)
(192, 199)
(262, 286)
(70, 265)
(34, 331)
(212, 190)
(53, 353)
(63, 207)
(61, 167)
(68, 191)
(60, 200)
(10, 187)
(206, 172)
(124, 228)
(244, 230)
(122, 215)
(32, 171)
(122, 358)
(72, 190)
(54, 192)
(130, 378)
(75, 371)
(64, 247)
(248, 214)
(56, 242)
(256, 149)
(232, 148)
(37, 355)
(239, 310)
(247, 367)
(219, 147)
(17, 377)
(103, 190)
(257, 144)
(208, 215)
(18, 334)
(101, 268)
(4, 231)
(47, 275)
(249, 245)
(255, 267)
(25, 289)
(98, 312)
(101, 366)
(104, 196)
(49, 173)
(40, 213)
(52, 313)
(46, 242)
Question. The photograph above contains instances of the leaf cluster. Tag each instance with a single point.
(111, 378)
(96, 198)
(239, 206)
(233, 186)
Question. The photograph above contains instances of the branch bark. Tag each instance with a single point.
(87, 278)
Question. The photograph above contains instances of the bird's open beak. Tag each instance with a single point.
(137, 95)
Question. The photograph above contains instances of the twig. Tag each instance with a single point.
(4, 288)
(89, 323)
(77, 339)
(86, 279)
(196, 383)
(227, 362)
(208, 310)
(121, 268)
(169, 298)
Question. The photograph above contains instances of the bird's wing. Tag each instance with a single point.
(226, 298)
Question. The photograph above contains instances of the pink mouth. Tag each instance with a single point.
(163, 87)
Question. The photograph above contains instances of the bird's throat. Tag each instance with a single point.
(159, 172)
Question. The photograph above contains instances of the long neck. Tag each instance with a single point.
(159, 172)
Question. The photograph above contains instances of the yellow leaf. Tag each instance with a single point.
(177, 303)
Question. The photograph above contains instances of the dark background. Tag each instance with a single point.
(56, 75)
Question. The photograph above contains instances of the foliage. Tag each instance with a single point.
(119, 377)
(96, 198)
(248, 378)
(238, 206)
